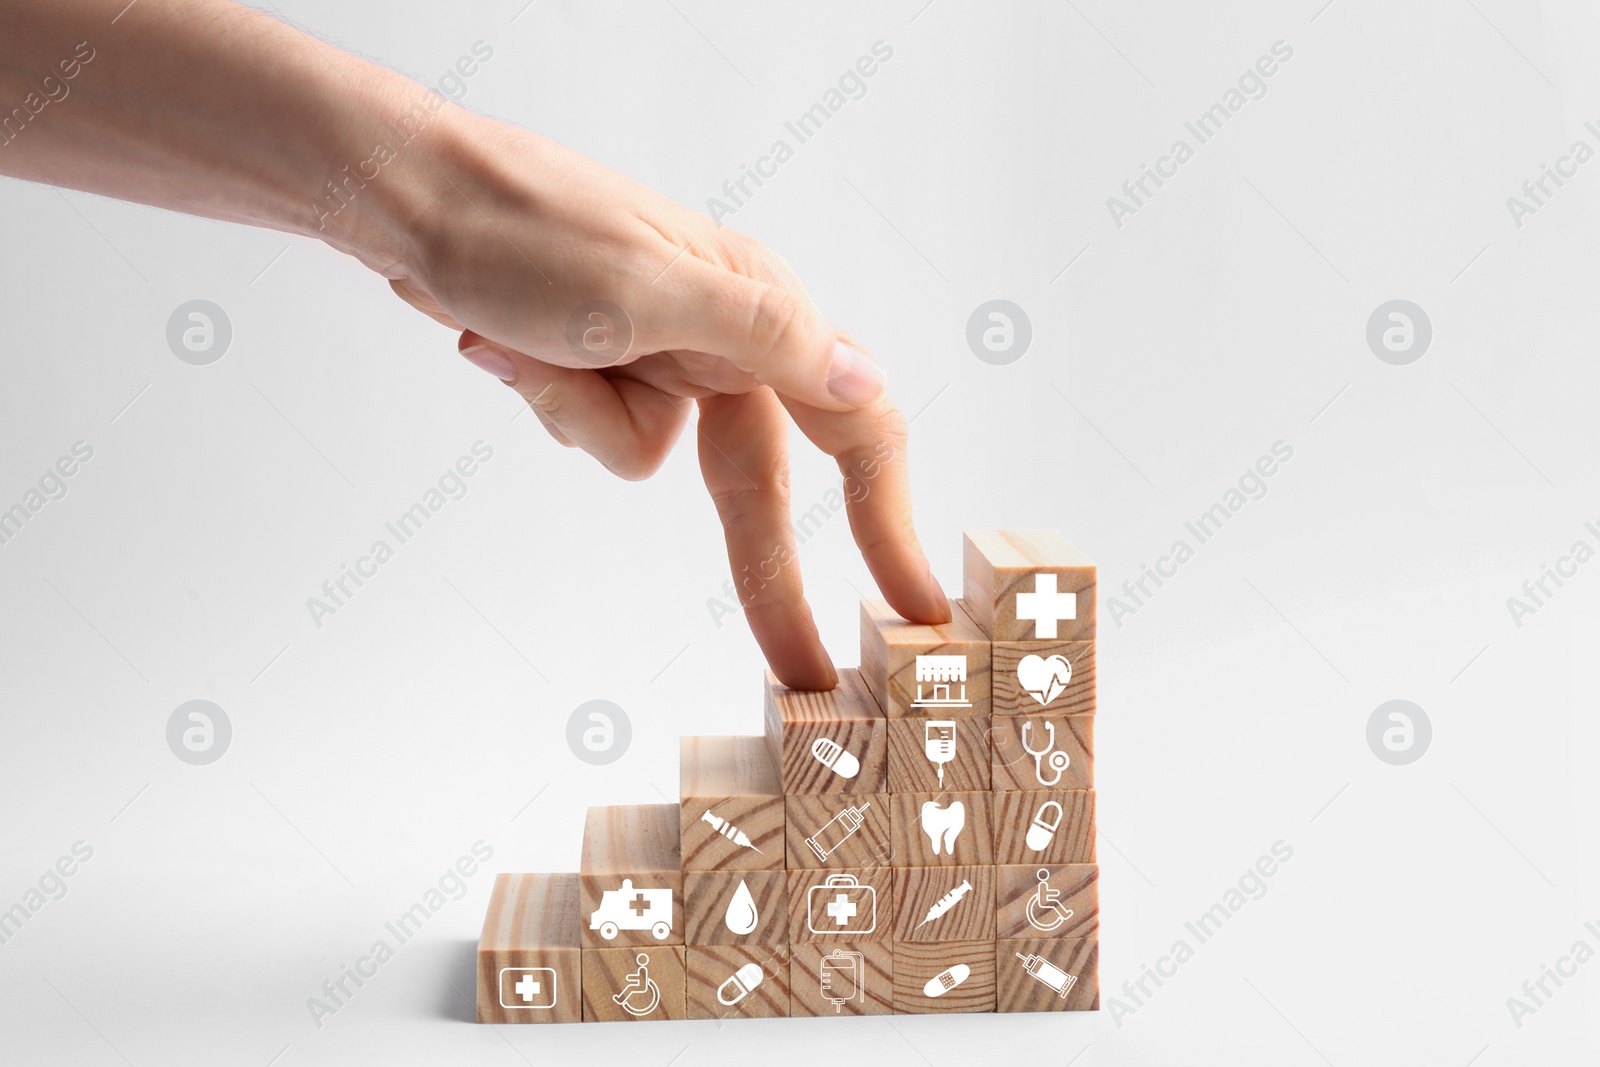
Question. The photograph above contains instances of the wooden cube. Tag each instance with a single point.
(941, 829)
(731, 804)
(1069, 906)
(529, 969)
(841, 905)
(1044, 826)
(935, 672)
(1048, 974)
(735, 908)
(1038, 677)
(630, 876)
(1062, 756)
(634, 984)
(1054, 581)
(838, 831)
(910, 769)
(938, 977)
(841, 978)
(724, 982)
(921, 891)
(827, 742)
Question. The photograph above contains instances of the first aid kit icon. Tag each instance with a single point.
(842, 905)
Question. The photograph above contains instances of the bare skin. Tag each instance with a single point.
(209, 108)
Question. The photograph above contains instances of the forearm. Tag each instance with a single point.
(214, 109)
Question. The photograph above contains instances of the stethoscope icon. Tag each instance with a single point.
(1044, 908)
(1049, 754)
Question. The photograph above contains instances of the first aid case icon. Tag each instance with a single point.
(840, 904)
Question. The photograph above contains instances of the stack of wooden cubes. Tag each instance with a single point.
(919, 839)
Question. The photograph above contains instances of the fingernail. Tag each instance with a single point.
(855, 378)
(491, 359)
(939, 596)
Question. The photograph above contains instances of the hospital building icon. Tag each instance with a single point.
(941, 682)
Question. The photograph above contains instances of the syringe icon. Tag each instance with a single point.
(838, 829)
(728, 830)
(1048, 973)
(948, 901)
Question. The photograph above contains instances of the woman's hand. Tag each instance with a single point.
(215, 109)
(613, 311)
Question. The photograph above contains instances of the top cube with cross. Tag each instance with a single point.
(1028, 585)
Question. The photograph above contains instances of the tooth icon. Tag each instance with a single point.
(943, 825)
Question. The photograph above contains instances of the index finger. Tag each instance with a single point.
(744, 458)
(869, 444)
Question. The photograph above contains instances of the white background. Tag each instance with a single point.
(1227, 314)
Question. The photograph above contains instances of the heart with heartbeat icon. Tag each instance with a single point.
(1044, 679)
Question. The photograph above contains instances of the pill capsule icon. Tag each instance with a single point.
(739, 984)
(946, 980)
(1043, 830)
(835, 758)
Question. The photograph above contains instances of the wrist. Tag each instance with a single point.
(388, 185)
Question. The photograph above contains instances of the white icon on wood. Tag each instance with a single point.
(946, 980)
(943, 825)
(946, 902)
(1045, 607)
(1048, 973)
(1043, 679)
(633, 909)
(1043, 829)
(939, 743)
(639, 995)
(739, 984)
(1049, 756)
(842, 978)
(946, 681)
(533, 987)
(741, 917)
(1045, 912)
(831, 755)
(840, 904)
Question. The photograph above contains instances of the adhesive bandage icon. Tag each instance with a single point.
(829, 753)
(947, 979)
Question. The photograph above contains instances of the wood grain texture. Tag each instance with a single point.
(917, 962)
(707, 894)
(726, 767)
(917, 889)
(860, 974)
(630, 849)
(848, 715)
(530, 938)
(1014, 768)
(998, 564)
(631, 837)
(910, 770)
(605, 974)
(736, 780)
(910, 844)
(889, 649)
(1017, 887)
(1077, 698)
(818, 818)
(1017, 990)
(713, 969)
(1071, 842)
(825, 906)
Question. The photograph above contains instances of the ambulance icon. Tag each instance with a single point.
(633, 909)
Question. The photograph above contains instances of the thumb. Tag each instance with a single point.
(774, 334)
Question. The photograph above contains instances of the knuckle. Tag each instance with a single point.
(777, 323)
